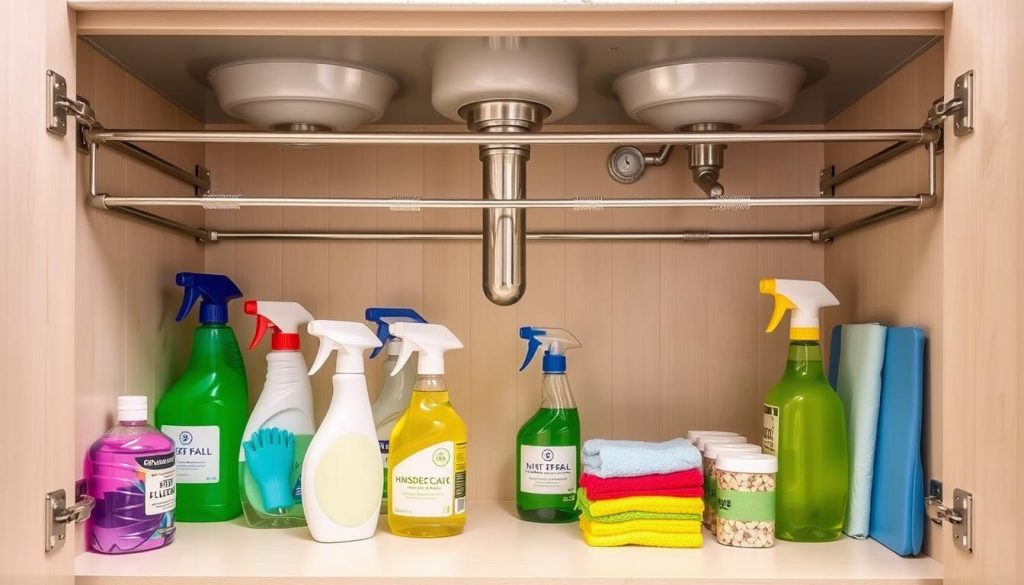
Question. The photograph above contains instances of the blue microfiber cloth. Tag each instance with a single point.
(897, 498)
(610, 458)
(859, 384)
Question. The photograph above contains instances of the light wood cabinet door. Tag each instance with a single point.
(983, 358)
(37, 255)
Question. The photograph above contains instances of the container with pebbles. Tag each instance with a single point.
(703, 441)
(711, 453)
(745, 503)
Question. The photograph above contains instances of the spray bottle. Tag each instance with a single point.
(270, 470)
(804, 423)
(204, 411)
(393, 400)
(548, 444)
(342, 473)
(427, 483)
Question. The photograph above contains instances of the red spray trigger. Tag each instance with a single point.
(283, 318)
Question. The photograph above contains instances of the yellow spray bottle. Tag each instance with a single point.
(427, 479)
(804, 423)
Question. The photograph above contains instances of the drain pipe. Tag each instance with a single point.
(504, 178)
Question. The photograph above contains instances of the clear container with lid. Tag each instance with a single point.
(745, 503)
(711, 454)
(702, 444)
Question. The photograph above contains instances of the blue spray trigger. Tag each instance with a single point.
(215, 290)
(530, 334)
(384, 317)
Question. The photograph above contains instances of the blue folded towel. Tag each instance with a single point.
(608, 458)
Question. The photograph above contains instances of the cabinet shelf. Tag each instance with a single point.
(496, 548)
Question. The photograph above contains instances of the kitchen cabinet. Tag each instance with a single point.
(88, 293)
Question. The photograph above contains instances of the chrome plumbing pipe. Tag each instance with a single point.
(920, 135)
(504, 179)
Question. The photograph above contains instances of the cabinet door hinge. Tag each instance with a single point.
(60, 106)
(59, 515)
(961, 107)
(960, 516)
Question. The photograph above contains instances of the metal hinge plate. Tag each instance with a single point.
(960, 108)
(960, 516)
(59, 515)
(56, 97)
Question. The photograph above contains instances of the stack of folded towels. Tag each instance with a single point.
(648, 494)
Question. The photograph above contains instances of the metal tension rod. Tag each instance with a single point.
(920, 135)
(683, 236)
(724, 203)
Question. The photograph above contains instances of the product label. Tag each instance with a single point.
(385, 448)
(158, 481)
(547, 470)
(196, 452)
(431, 483)
(770, 429)
(746, 506)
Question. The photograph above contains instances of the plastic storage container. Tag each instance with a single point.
(711, 453)
(746, 499)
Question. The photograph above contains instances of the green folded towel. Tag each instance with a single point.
(583, 504)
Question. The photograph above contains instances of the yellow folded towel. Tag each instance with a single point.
(656, 504)
(642, 538)
(595, 528)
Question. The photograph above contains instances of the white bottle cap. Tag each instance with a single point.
(693, 436)
(747, 463)
(132, 408)
(394, 346)
(713, 450)
(703, 442)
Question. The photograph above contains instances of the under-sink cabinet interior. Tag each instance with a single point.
(658, 277)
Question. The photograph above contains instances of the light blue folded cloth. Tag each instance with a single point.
(859, 384)
(609, 458)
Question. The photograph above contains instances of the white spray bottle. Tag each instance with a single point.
(342, 473)
(281, 424)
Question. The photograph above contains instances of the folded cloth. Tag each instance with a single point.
(643, 538)
(656, 504)
(859, 384)
(634, 515)
(607, 458)
(598, 528)
(681, 484)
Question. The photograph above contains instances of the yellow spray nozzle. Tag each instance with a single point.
(782, 303)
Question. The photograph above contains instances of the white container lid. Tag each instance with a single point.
(692, 436)
(132, 408)
(714, 450)
(703, 442)
(747, 463)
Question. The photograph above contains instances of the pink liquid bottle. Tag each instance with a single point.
(130, 472)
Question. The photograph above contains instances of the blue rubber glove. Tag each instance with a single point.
(270, 455)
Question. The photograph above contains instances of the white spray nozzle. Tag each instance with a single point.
(805, 298)
(430, 339)
(349, 338)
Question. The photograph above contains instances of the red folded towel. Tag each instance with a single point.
(681, 484)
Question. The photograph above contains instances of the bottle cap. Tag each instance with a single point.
(132, 408)
(714, 450)
(703, 442)
(747, 463)
(692, 436)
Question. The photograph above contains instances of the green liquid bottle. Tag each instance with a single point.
(805, 425)
(205, 410)
(548, 444)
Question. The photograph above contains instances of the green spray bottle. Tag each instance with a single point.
(205, 410)
(804, 423)
(548, 444)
